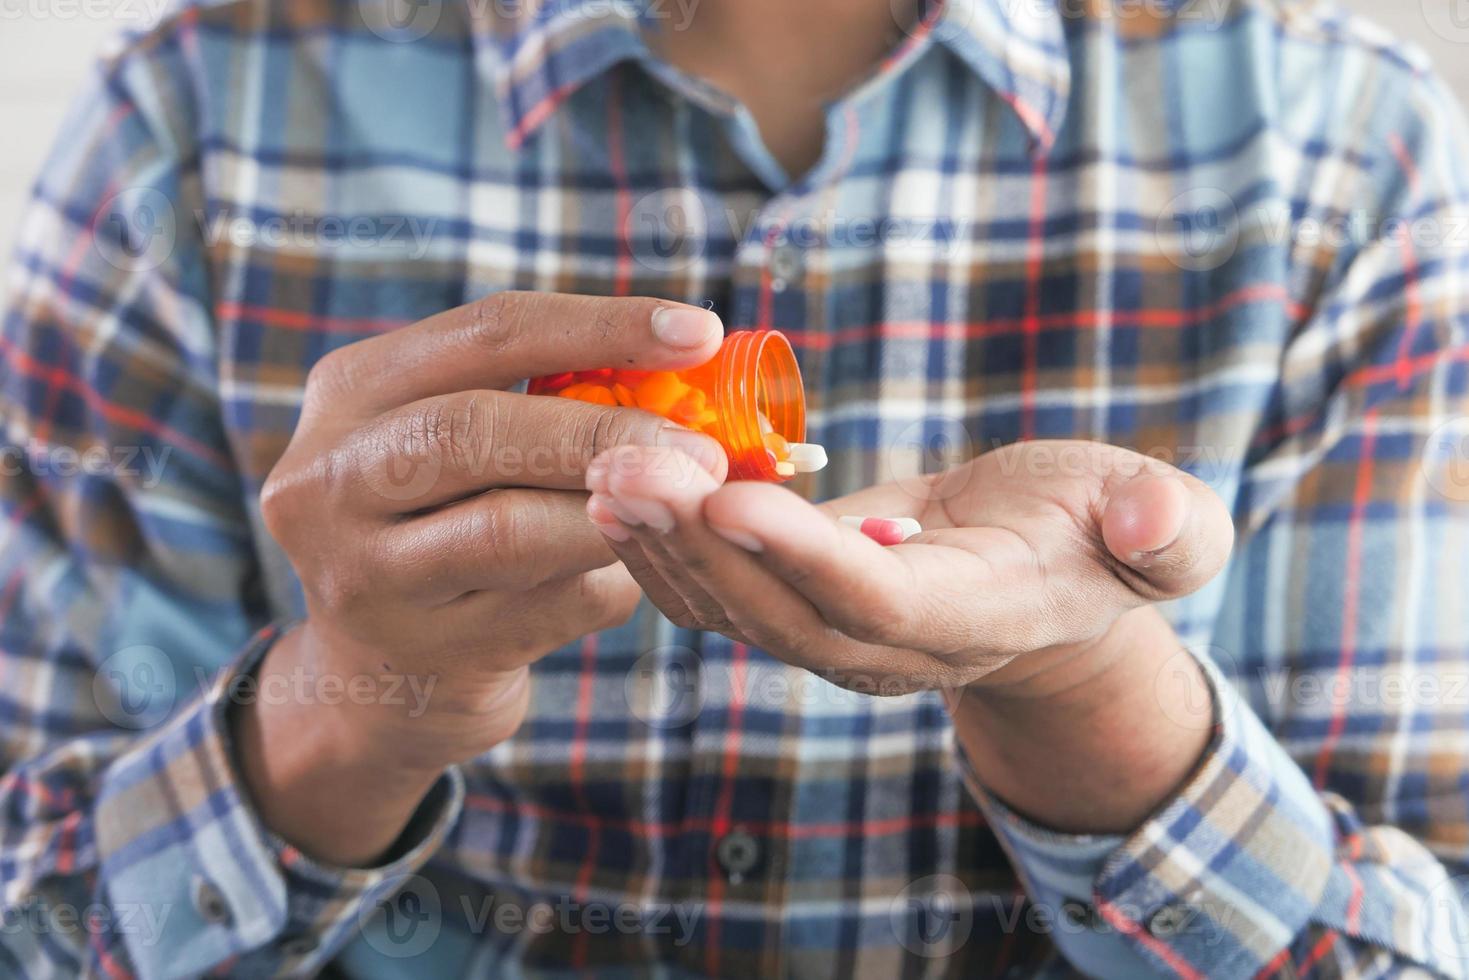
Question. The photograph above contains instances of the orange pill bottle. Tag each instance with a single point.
(749, 398)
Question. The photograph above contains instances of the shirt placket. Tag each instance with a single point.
(734, 816)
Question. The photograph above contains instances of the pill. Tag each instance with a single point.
(598, 395)
(885, 530)
(660, 392)
(807, 457)
(665, 393)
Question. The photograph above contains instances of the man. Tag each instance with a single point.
(1151, 314)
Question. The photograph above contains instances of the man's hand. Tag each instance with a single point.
(1034, 548)
(1027, 589)
(437, 523)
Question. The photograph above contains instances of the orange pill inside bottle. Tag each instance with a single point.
(748, 398)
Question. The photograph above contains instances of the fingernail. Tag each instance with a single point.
(598, 474)
(617, 509)
(684, 327)
(614, 531)
(700, 448)
(653, 513)
(739, 538)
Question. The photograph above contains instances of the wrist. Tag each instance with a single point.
(1076, 673)
(417, 723)
(1104, 721)
(338, 775)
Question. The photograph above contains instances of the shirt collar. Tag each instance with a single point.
(536, 53)
(1019, 48)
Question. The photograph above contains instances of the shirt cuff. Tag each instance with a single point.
(177, 836)
(1216, 883)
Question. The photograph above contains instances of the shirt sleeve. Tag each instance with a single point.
(128, 586)
(1326, 831)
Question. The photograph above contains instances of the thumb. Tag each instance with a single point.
(1171, 532)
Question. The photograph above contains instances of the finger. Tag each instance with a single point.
(704, 611)
(506, 337)
(748, 599)
(602, 513)
(915, 595)
(502, 541)
(448, 447)
(544, 619)
(679, 598)
(1170, 531)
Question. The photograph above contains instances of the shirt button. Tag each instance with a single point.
(1169, 920)
(785, 265)
(738, 853)
(210, 903)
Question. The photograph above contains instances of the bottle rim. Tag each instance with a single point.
(759, 375)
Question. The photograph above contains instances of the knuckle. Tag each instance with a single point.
(718, 621)
(708, 613)
(620, 611)
(456, 430)
(585, 432)
(277, 505)
(606, 429)
(290, 497)
(510, 532)
(683, 618)
(495, 321)
(342, 589)
(601, 605)
(798, 646)
(697, 565)
(328, 378)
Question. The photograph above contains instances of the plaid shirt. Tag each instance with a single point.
(1229, 234)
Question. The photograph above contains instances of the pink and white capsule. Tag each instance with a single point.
(885, 530)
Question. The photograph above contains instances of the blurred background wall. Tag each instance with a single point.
(46, 45)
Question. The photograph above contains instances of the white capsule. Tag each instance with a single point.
(807, 457)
